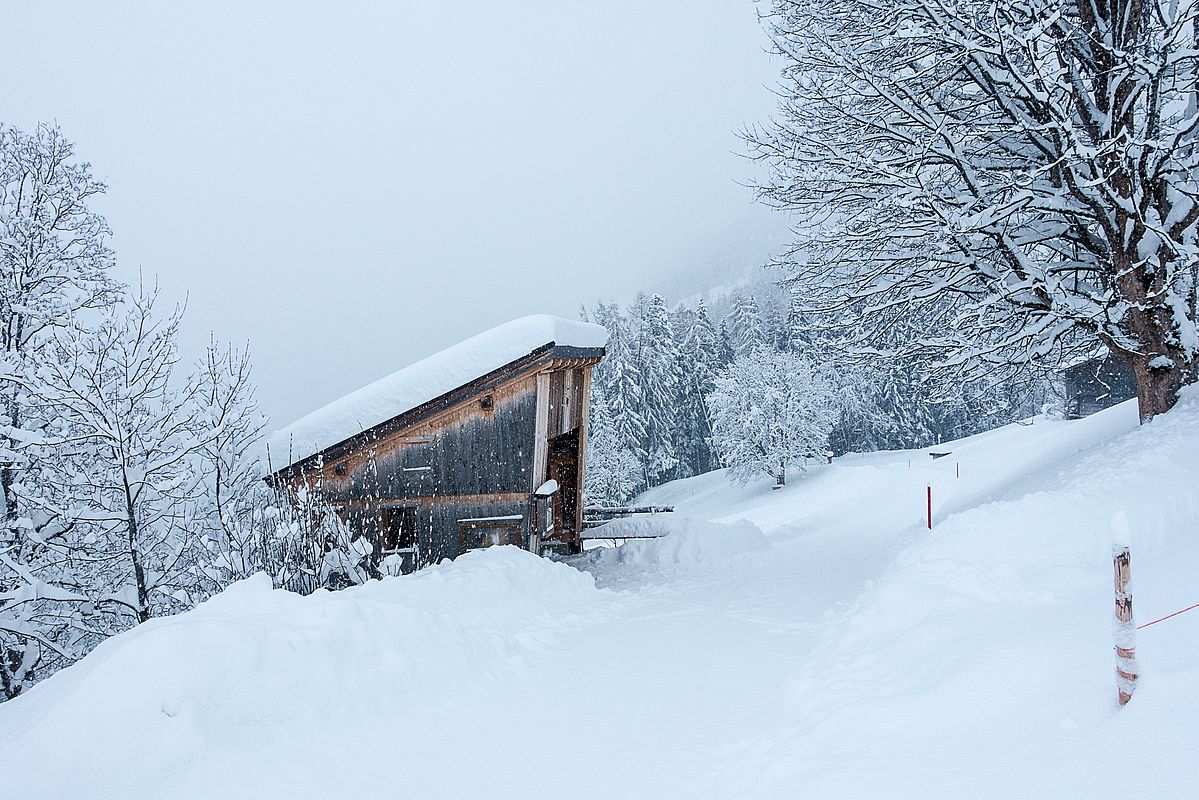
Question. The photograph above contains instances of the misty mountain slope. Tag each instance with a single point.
(816, 641)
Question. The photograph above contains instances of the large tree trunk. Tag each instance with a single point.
(1161, 366)
(1159, 362)
(1157, 387)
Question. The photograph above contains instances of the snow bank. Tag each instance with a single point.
(426, 380)
(256, 663)
(683, 543)
(986, 647)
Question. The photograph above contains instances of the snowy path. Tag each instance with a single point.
(852, 653)
(627, 707)
(679, 676)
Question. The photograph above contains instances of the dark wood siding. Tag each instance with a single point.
(1097, 384)
(468, 462)
(477, 456)
(485, 454)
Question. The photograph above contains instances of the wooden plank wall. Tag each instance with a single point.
(466, 462)
(472, 460)
(565, 400)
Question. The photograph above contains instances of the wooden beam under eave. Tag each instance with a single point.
(541, 443)
(584, 410)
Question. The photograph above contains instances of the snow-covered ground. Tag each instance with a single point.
(814, 642)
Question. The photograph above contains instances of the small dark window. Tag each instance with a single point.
(476, 536)
(398, 529)
(487, 402)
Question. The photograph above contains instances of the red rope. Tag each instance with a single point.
(1163, 619)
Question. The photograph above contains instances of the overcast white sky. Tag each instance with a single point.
(350, 187)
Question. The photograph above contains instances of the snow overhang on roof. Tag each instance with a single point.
(425, 381)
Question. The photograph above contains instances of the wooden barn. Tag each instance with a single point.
(1097, 383)
(480, 444)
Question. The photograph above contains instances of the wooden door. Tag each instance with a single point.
(564, 468)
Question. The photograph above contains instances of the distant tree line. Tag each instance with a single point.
(750, 382)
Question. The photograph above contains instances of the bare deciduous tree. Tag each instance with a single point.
(1022, 174)
(131, 437)
(54, 264)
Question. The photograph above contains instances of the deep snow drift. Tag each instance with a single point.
(818, 642)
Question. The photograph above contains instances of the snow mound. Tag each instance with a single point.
(255, 661)
(424, 381)
(682, 543)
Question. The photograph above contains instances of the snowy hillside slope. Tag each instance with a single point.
(979, 662)
(817, 641)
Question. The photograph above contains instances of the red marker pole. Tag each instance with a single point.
(930, 508)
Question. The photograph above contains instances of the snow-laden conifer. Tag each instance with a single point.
(659, 374)
(746, 329)
(618, 380)
(613, 471)
(700, 361)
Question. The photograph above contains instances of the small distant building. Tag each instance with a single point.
(478, 445)
(1097, 383)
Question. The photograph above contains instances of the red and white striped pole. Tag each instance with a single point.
(1123, 628)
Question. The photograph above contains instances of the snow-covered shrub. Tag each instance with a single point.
(308, 546)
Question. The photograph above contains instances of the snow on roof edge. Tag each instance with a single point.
(423, 381)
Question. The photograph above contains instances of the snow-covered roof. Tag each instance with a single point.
(426, 380)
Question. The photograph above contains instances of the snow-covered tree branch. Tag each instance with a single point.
(1021, 174)
(130, 489)
(54, 266)
(131, 436)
